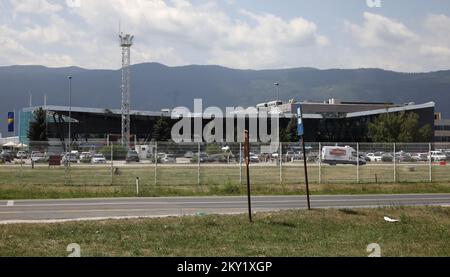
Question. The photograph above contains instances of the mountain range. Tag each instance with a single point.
(155, 86)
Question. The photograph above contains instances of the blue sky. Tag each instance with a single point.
(401, 35)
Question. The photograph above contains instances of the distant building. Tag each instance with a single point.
(441, 128)
(89, 124)
(329, 121)
(335, 120)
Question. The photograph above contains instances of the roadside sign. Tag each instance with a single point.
(300, 131)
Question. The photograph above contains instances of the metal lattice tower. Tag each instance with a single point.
(126, 40)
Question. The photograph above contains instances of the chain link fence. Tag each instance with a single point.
(188, 164)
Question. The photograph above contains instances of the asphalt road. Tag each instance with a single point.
(90, 209)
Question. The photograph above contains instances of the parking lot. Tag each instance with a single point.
(206, 164)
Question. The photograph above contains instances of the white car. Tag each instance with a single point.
(168, 158)
(375, 157)
(98, 159)
(85, 155)
(420, 157)
(22, 155)
(37, 157)
(438, 156)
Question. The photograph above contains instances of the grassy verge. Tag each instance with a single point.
(421, 232)
(97, 181)
(80, 191)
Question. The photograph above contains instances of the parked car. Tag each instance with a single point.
(70, 157)
(365, 157)
(132, 156)
(253, 158)
(203, 157)
(292, 156)
(274, 155)
(98, 159)
(6, 156)
(437, 156)
(22, 154)
(7, 152)
(446, 153)
(85, 155)
(375, 157)
(37, 157)
(420, 157)
(216, 158)
(76, 153)
(403, 157)
(189, 154)
(168, 158)
(387, 158)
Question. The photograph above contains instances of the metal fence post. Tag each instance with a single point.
(395, 163)
(20, 174)
(198, 164)
(320, 163)
(137, 186)
(65, 169)
(280, 158)
(357, 162)
(431, 163)
(156, 162)
(240, 163)
(112, 164)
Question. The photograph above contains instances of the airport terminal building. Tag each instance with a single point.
(328, 121)
(441, 128)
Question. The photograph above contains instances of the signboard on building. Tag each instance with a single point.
(11, 122)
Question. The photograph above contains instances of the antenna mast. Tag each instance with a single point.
(126, 40)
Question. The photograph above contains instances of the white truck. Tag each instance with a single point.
(334, 155)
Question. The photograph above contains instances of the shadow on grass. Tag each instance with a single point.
(282, 224)
(351, 212)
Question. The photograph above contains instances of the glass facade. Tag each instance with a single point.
(24, 125)
(88, 125)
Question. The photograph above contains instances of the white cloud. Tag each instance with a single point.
(34, 6)
(175, 32)
(48, 34)
(378, 30)
(179, 32)
(439, 51)
(13, 52)
(390, 44)
(437, 39)
(438, 24)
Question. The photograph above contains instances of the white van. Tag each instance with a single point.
(334, 155)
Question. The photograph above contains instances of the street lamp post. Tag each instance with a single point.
(277, 85)
(70, 117)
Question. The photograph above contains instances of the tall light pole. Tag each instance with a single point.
(277, 85)
(70, 116)
(126, 41)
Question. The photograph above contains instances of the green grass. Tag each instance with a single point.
(421, 232)
(79, 191)
(45, 182)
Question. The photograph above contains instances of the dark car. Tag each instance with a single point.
(132, 156)
(6, 156)
(216, 158)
